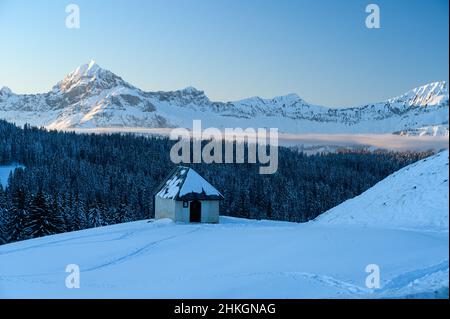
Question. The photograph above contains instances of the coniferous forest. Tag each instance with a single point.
(75, 181)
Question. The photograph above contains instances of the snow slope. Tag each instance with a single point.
(432, 130)
(240, 258)
(413, 197)
(92, 97)
(233, 259)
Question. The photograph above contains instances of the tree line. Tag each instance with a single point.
(74, 181)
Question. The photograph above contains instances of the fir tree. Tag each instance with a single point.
(41, 220)
(56, 214)
(16, 226)
(16, 223)
(4, 218)
(94, 217)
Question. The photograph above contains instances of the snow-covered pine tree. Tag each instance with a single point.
(4, 218)
(78, 213)
(66, 213)
(41, 220)
(94, 217)
(15, 226)
(123, 214)
(3, 238)
(56, 213)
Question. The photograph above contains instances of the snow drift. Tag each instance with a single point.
(413, 197)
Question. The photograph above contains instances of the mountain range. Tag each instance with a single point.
(93, 97)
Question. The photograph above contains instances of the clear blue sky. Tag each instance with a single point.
(232, 49)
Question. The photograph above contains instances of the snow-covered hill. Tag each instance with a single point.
(91, 97)
(432, 130)
(414, 197)
(240, 258)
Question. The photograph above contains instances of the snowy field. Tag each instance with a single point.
(401, 225)
(234, 259)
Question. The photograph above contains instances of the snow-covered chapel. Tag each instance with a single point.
(185, 196)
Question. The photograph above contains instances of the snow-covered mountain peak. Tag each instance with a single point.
(193, 92)
(88, 70)
(190, 90)
(187, 96)
(5, 91)
(290, 98)
(89, 77)
(429, 94)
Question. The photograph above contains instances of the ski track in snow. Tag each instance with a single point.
(325, 280)
(405, 279)
(58, 242)
(137, 252)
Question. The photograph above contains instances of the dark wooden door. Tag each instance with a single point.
(195, 211)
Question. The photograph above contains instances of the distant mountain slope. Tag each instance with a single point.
(432, 130)
(414, 197)
(91, 97)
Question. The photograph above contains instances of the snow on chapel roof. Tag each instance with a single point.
(186, 184)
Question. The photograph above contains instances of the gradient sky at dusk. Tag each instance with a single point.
(232, 49)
